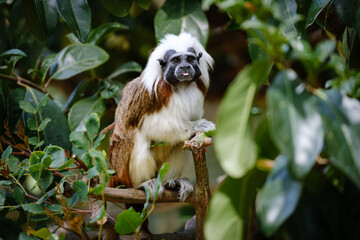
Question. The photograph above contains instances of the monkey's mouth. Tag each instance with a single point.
(185, 74)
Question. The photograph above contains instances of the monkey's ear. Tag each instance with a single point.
(162, 62)
(199, 56)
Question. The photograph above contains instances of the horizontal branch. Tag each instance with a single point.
(135, 196)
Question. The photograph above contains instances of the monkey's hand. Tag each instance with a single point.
(151, 185)
(182, 184)
(202, 125)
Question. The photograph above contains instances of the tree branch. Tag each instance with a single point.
(23, 82)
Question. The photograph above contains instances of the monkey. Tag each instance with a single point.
(163, 105)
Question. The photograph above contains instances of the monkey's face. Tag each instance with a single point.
(181, 67)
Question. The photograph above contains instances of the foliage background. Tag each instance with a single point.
(288, 124)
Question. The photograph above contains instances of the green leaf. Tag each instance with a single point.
(13, 163)
(81, 188)
(33, 208)
(55, 208)
(42, 102)
(278, 198)
(5, 182)
(295, 123)
(230, 206)
(11, 53)
(346, 10)
(341, 119)
(234, 145)
(127, 67)
(97, 35)
(7, 152)
(66, 164)
(33, 141)
(44, 178)
(19, 195)
(13, 109)
(43, 233)
(177, 16)
(57, 156)
(92, 126)
(315, 9)
(99, 215)
(77, 93)
(46, 64)
(57, 131)
(80, 140)
(117, 8)
(77, 15)
(128, 221)
(44, 124)
(92, 172)
(81, 110)
(40, 16)
(145, 4)
(31, 124)
(77, 58)
(2, 199)
(27, 107)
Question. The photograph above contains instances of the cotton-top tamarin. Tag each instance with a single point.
(163, 105)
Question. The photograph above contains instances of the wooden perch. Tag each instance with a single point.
(199, 198)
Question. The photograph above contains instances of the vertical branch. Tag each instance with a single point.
(201, 191)
(201, 197)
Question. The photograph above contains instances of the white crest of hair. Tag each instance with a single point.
(153, 73)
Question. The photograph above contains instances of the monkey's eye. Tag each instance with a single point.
(175, 60)
(190, 59)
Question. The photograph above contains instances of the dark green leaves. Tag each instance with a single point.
(237, 157)
(97, 35)
(77, 15)
(315, 8)
(57, 130)
(177, 16)
(77, 58)
(116, 7)
(341, 118)
(278, 198)
(295, 122)
(127, 67)
(92, 126)
(40, 16)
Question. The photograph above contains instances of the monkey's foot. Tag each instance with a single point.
(182, 184)
(151, 185)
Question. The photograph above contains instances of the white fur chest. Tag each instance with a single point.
(171, 123)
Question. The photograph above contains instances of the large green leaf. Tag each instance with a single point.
(315, 9)
(346, 10)
(13, 109)
(77, 15)
(128, 221)
(341, 118)
(81, 110)
(177, 16)
(127, 67)
(40, 16)
(295, 123)
(234, 145)
(57, 155)
(230, 206)
(278, 198)
(57, 131)
(97, 35)
(116, 7)
(77, 58)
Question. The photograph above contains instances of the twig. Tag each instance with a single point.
(23, 82)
